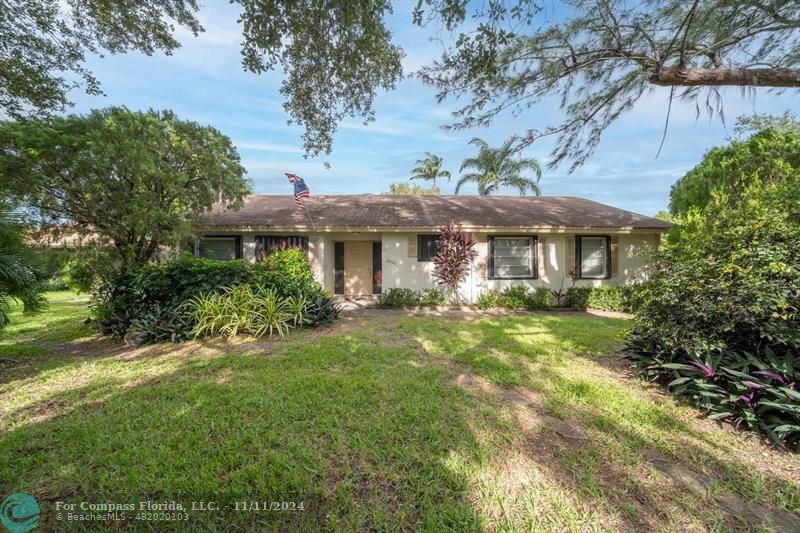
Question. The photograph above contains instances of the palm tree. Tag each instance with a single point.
(497, 167)
(20, 278)
(429, 168)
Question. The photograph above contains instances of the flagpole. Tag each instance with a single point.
(309, 214)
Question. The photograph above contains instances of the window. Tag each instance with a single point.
(427, 247)
(593, 257)
(512, 257)
(222, 248)
(266, 244)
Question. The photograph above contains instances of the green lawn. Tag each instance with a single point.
(381, 422)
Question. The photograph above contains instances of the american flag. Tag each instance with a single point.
(301, 190)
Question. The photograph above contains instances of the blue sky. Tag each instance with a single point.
(204, 81)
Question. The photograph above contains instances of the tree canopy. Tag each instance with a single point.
(136, 180)
(499, 167)
(747, 125)
(597, 58)
(44, 44)
(769, 157)
(404, 188)
(335, 55)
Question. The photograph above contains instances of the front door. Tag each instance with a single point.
(357, 268)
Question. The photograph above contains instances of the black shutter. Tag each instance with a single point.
(338, 266)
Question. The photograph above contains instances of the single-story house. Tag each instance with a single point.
(363, 244)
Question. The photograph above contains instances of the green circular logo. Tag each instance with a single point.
(19, 513)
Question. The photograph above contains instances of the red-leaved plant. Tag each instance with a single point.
(452, 262)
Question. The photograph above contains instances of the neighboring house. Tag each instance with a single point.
(367, 243)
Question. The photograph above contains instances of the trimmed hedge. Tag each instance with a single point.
(600, 298)
(400, 297)
(517, 297)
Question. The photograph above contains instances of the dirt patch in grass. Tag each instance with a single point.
(698, 484)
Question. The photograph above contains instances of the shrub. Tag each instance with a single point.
(515, 297)
(159, 325)
(175, 282)
(432, 297)
(286, 271)
(456, 254)
(719, 318)
(133, 295)
(152, 296)
(601, 298)
(244, 309)
(321, 307)
(396, 297)
(489, 299)
(541, 298)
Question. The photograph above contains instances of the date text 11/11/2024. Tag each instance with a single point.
(250, 506)
(239, 505)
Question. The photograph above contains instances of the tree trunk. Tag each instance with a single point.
(757, 77)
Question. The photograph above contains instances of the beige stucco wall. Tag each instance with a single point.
(402, 271)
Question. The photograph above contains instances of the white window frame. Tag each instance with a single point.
(579, 247)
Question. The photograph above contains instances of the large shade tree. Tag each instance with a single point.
(335, 55)
(494, 168)
(134, 180)
(598, 57)
(768, 157)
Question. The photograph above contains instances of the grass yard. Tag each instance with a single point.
(382, 422)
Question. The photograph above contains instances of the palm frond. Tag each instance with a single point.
(467, 178)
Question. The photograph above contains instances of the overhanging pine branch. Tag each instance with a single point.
(757, 77)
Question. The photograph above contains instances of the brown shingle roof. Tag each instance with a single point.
(359, 211)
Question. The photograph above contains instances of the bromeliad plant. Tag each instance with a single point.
(452, 262)
(245, 310)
